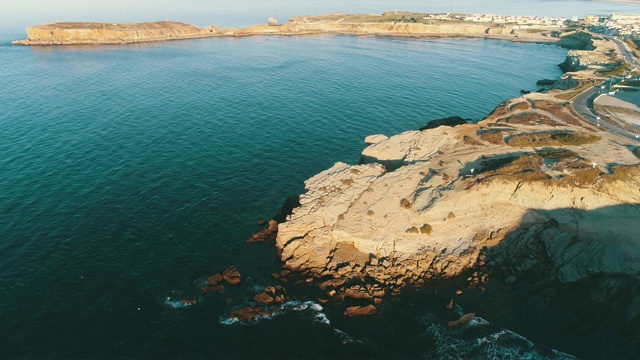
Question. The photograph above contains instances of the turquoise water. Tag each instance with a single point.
(129, 172)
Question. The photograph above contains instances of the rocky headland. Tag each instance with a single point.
(393, 24)
(532, 200)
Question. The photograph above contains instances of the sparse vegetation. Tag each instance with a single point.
(426, 229)
(494, 136)
(551, 138)
(521, 106)
(634, 44)
(530, 118)
(471, 141)
(624, 173)
(618, 68)
(412, 230)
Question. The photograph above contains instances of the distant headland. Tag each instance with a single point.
(391, 24)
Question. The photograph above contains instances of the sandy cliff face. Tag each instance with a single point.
(430, 204)
(104, 33)
(382, 29)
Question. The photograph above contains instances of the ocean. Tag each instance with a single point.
(128, 174)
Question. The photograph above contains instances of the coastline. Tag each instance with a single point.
(88, 33)
(484, 214)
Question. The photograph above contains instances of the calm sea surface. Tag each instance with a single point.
(128, 173)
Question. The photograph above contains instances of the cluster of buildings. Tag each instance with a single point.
(505, 19)
(623, 25)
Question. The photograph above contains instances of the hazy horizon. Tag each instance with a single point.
(19, 14)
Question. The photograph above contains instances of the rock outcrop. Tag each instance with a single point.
(426, 205)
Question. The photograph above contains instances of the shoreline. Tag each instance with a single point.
(89, 33)
(484, 214)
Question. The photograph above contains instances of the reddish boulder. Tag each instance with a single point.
(449, 305)
(267, 234)
(188, 302)
(232, 275)
(215, 279)
(248, 313)
(464, 319)
(264, 298)
(352, 311)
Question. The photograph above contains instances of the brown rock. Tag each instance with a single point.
(208, 288)
(270, 290)
(352, 311)
(263, 298)
(215, 279)
(273, 225)
(272, 22)
(248, 313)
(464, 319)
(232, 275)
(261, 222)
(449, 305)
(188, 302)
(268, 234)
(357, 292)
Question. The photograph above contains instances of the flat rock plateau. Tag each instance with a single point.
(85, 33)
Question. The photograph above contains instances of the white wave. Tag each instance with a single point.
(321, 318)
(277, 310)
(346, 339)
(176, 303)
(503, 344)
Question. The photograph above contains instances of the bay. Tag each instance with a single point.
(129, 173)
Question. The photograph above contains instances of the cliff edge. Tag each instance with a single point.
(531, 197)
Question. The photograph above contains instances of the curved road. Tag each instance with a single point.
(626, 52)
(583, 103)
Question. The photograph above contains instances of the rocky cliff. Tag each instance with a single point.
(424, 204)
(64, 33)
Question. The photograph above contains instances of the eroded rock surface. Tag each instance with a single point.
(428, 204)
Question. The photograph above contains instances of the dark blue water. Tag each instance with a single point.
(129, 172)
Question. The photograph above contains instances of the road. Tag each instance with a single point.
(583, 103)
(626, 52)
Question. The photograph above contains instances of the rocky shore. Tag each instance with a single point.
(532, 201)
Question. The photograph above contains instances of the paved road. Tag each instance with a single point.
(583, 104)
(627, 53)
